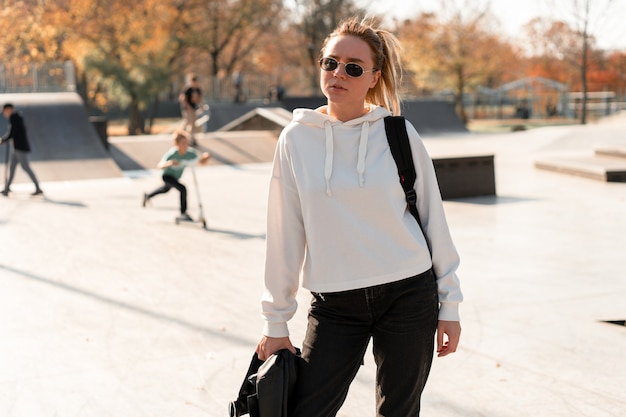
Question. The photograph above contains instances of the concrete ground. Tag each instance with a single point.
(109, 309)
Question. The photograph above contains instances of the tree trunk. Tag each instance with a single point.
(459, 105)
(215, 75)
(155, 109)
(583, 78)
(135, 121)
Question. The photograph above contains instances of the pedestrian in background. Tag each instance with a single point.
(190, 103)
(21, 148)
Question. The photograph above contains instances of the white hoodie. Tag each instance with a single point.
(338, 215)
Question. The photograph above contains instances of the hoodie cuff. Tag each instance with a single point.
(449, 312)
(275, 329)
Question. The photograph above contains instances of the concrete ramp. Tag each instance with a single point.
(224, 113)
(433, 117)
(261, 118)
(430, 117)
(231, 148)
(65, 145)
(596, 151)
(594, 167)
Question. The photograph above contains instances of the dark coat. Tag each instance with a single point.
(268, 386)
(17, 132)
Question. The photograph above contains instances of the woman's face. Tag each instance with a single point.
(337, 85)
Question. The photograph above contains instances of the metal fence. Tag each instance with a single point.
(36, 78)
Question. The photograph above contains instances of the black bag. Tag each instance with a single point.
(398, 139)
(267, 386)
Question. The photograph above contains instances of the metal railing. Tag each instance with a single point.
(36, 78)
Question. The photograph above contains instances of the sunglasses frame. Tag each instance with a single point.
(330, 60)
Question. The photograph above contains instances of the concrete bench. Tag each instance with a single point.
(599, 168)
(465, 176)
(611, 152)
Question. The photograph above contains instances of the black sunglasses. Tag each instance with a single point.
(352, 69)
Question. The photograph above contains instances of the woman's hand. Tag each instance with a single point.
(453, 331)
(269, 345)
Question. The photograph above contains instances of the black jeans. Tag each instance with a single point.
(171, 182)
(400, 318)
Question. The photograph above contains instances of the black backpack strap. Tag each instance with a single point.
(398, 138)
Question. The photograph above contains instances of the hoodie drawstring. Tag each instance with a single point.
(328, 165)
(360, 166)
(362, 152)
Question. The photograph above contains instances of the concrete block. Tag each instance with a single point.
(466, 176)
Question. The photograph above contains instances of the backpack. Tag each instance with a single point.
(398, 139)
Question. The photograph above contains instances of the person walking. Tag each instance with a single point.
(337, 215)
(21, 148)
(173, 164)
(190, 102)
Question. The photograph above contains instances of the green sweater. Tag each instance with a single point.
(176, 171)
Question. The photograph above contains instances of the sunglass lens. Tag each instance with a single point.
(328, 64)
(354, 70)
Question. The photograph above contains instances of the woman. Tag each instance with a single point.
(337, 213)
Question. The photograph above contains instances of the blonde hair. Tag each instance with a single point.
(386, 50)
(180, 134)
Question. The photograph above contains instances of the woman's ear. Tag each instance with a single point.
(376, 76)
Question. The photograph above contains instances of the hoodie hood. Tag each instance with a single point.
(320, 118)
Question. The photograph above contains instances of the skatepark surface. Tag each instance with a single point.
(110, 309)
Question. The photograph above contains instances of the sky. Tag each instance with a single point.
(608, 17)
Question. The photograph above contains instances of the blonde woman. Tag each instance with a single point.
(337, 216)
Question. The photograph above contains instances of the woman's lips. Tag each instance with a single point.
(336, 88)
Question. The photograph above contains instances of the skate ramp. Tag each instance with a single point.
(430, 117)
(433, 117)
(64, 143)
(135, 153)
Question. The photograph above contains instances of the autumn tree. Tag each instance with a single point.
(458, 52)
(616, 72)
(551, 48)
(24, 37)
(27, 41)
(226, 34)
(127, 53)
(418, 37)
(586, 16)
(284, 62)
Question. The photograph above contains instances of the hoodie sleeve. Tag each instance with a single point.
(285, 245)
(430, 207)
